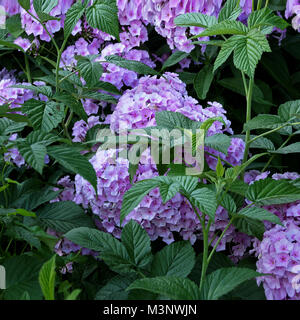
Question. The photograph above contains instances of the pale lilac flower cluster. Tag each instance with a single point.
(15, 97)
(279, 251)
(161, 15)
(11, 7)
(293, 8)
(136, 109)
(33, 27)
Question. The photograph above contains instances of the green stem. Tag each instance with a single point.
(267, 2)
(273, 130)
(205, 254)
(248, 118)
(27, 69)
(259, 4)
(218, 241)
(272, 157)
(245, 83)
(60, 51)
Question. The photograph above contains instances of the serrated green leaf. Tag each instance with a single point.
(25, 4)
(72, 17)
(205, 200)
(219, 142)
(269, 191)
(222, 281)
(90, 70)
(47, 278)
(250, 226)
(34, 154)
(292, 148)
(203, 81)
(195, 19)
(176, 259)
(137, 243)
(263, 121)
(174, 58)
(133, 65)
(224, 27)
(72, 160)
(171, 287)
(259, 214)
(63, 216)
(103, 15)
(230, 11)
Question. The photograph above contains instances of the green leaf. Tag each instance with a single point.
(9, 44)
(106, 86)
(168, 191)
(43, 8)
(47, 278)
(72, 160)
(263, 121)
(265, 17)
(22, 233)
(251, 227)
(230, 11)
(195, 19)
(72, 17)
(74, 294)
(176, 259)
(222, 281)
(259, 214)
(98, 96)
(205, 200)
(224, 27)
(22, 275)
(34, 154)
(268, 192)
(43, 115)
(63, 216)
(227, 48)
(174, 59)
(174, 120)
(292, 148)
(74, 104)
(172, 287)
(90, 71)
(248, 52)
(228, 203)
(290, 111)
(135, 195)
(137, 243)
(45, 90)
(219, 142)
(25, 4)
(133, 65)
(112, 251)
(103, 15)
(8, 126)
(203, 81)
(260, 143)
(115, 289)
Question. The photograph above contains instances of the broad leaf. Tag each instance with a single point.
(219, 142)
(137, 243)
(250, 226)
(203, 81)
(292, 148)
(72, 160)
(63, 216)
(224, 27)
(172, 287)
(133, 65)
(222, 281)
(205, 200)
(47, 278)
(269, 191)
(259, 214)
(34, 154)
(103, 15)
(72, 17)
(195, 19)
(90, 70)
(176, 259)
(230, 11)
(174, 58)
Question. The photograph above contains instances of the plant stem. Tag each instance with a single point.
(259, 4)
(218, 241)
(27, 69)
(205, 254)
(248, 118)
(267, 2)
(272, 157)
(273, 130)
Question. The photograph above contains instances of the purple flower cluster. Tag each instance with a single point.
(279, 251)
(293, 8)
(33, 27)
(136, 109)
